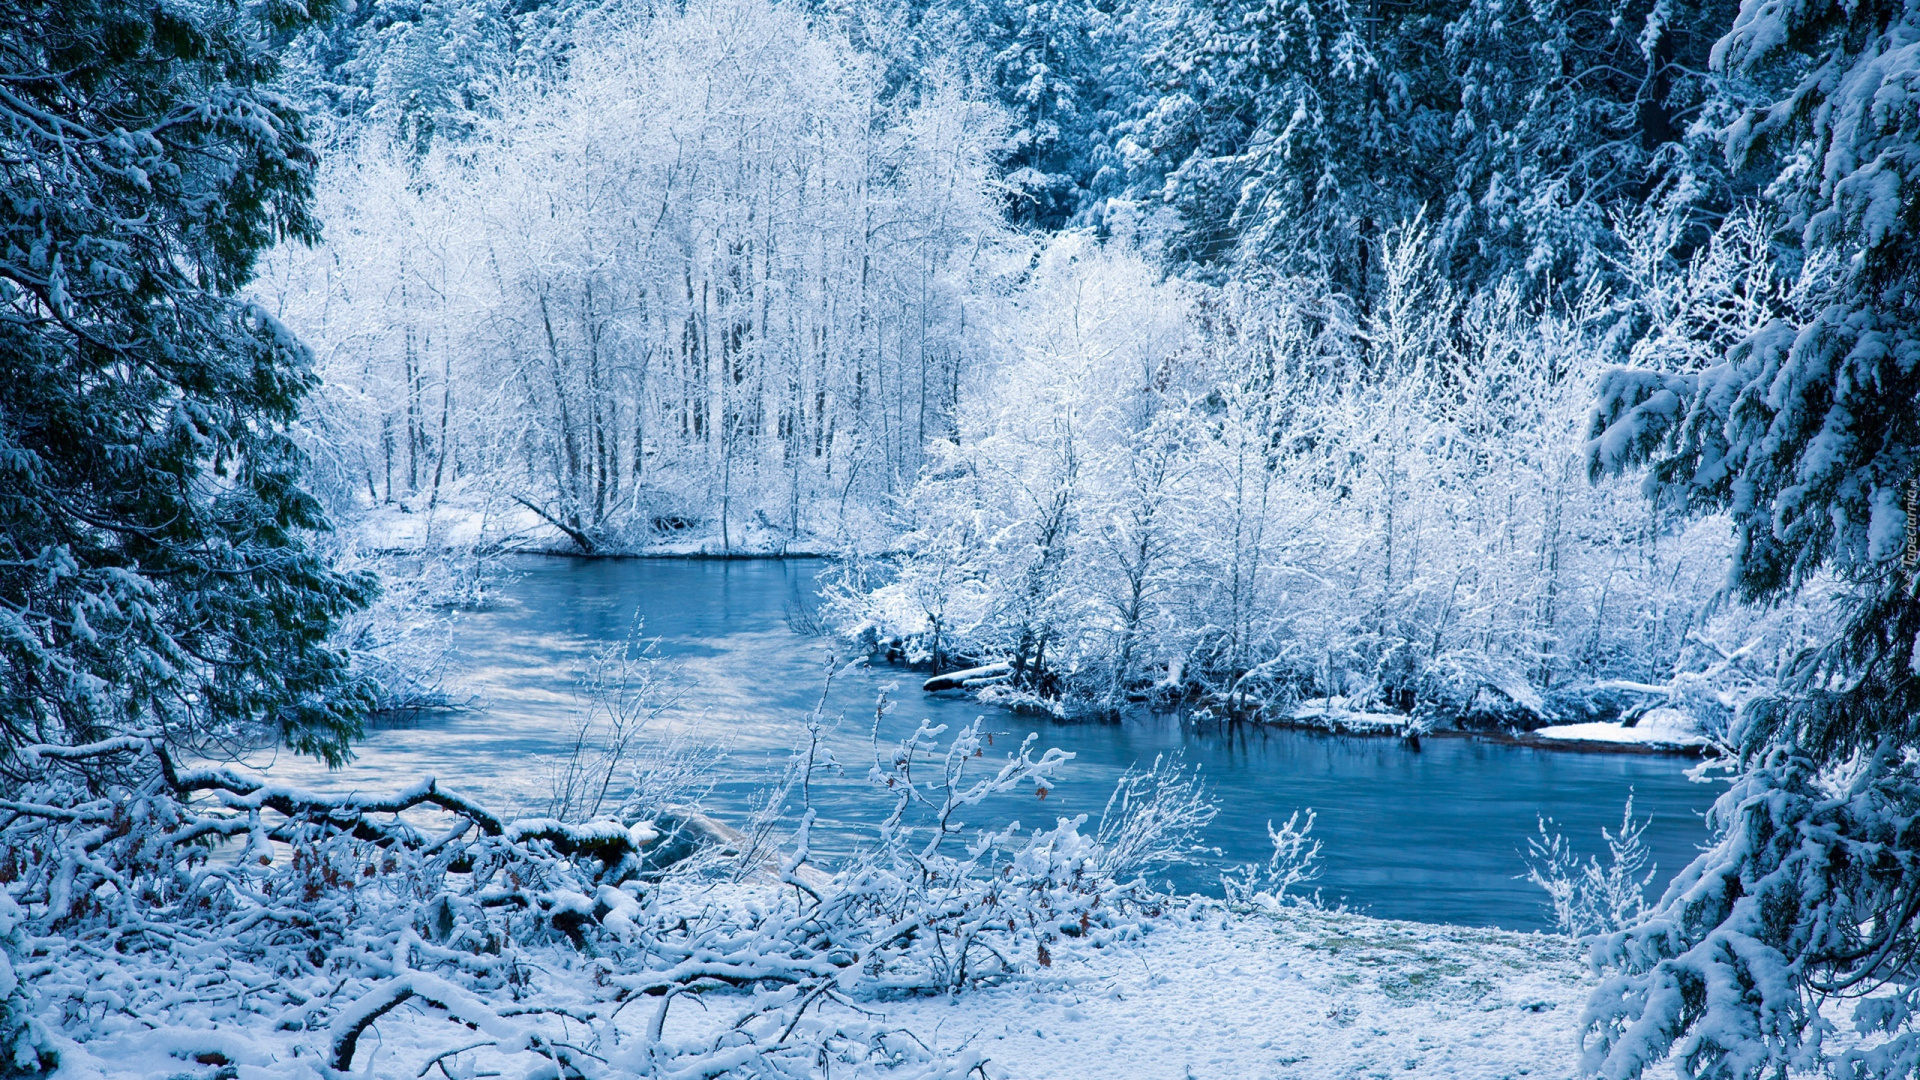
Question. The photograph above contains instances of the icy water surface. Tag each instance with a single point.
(1434, 836)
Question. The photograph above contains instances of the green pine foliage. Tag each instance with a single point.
(1288, 134)
(1808, 435)
(1292, 137)
(23, 1042)
(155, 571)
(1043, 61)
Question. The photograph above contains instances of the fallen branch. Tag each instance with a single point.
(580, 539)
(959, 680)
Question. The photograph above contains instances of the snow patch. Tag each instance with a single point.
(1663, 727)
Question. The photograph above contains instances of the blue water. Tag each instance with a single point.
(1434, 836)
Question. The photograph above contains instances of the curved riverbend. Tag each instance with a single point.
(1434, 836)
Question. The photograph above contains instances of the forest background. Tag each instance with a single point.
(1161, 349)
(1484, 362)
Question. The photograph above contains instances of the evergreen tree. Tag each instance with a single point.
(1569, 113)
(1808, 434)
(154, 571)
(1295, 136)
(1045, 63)
(1289, 134)
(420, 69)
(1063, 71)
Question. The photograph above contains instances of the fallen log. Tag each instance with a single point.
(959, 680)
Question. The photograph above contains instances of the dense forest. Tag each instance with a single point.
(1161, 349)
(1486, 363)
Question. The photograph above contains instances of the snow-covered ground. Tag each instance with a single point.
(1337, 714)
(1205, 993)
(468, 518)
(1299, 993)
(1658, 729)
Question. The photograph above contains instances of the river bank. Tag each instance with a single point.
(1298, 994)
(1203, 993)
(517, 531)
(508, 528)
(1436, 836)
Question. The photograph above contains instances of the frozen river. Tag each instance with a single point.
(1435, 836)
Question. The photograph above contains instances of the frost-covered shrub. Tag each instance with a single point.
(1154, 818)
(1593, 897)
(1295, 862)
(532, 934)
(611, 768)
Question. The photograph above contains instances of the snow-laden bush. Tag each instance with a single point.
(1295, 862)
(612, 766)
(252, 923)
(1154, 818)
(1593, 897)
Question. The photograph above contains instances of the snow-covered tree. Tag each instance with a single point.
(1295, 136)
(1064, 72)
(1253, 494)
(1048, 64)
(422, 72)
(1268, 128)
(1806, 432)
(711, 279)
(155, 577)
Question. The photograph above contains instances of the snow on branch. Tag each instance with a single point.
(1637, 411)
(225, 911)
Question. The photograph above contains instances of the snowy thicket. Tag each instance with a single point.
(216, 913)
(712, 279)
(719, 275)
(1261, 494)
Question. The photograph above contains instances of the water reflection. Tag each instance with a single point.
(1433, 836)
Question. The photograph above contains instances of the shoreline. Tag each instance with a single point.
(1502, 738)
(1698, 752)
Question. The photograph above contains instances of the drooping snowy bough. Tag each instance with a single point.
(1809, 897)
(1805, 913)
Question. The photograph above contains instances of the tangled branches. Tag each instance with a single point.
(233, 921)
